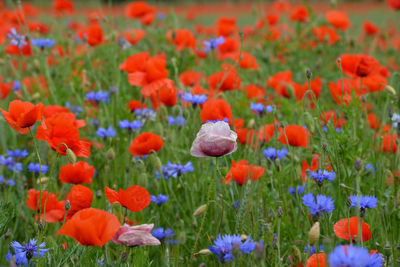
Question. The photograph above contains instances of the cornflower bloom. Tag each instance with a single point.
(298, 191)
(23, 253)
(225, 245)
(179, 120)
(18, 153)
(212, 44)
(35, 167)
(134, 125)
(194, 99)
(104, 133)
(321, 175)
(257, 107)
(160, 199)
(164, 235)
(363, 202)
(17, 39)
(42, 43)
(98, 97)
(311, 249)
(145, 113)
(273, 154)
(352, 256)
(322, 204)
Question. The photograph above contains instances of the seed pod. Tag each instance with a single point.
(200, 210)
(313, 235)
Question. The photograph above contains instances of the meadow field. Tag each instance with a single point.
(200, 134)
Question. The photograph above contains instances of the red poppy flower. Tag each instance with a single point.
(266, 133)
(216, 109)
(51, 110)
(135, 198)
(168, 95)
(80, 197)
(317, 260)
(94, 35)
(341, 91)
(359, 65)
(5, 88)
(135, 62)
(134, 36)
(241, 172)
(389, 143)
(226, 26)
(338, 19)
(22, 115)
(140, 10)
(191, 78)
(91, 227)
(347, 229)
(245, 135)
(254, 91)
(272, 18)
(182, 38)
(323, 33)
(299, 14)
(395, 4)
(145, 143)
(54, 209)
(305, 166)
(26, 50)
(295, 135)
(61, 129)
(36, 26)
(330, 115)
(373, 121)
(370, 28)
(135, 104)
(279, 82)
(61, 6)
(225, 80)
(247, 61)
(79, 173)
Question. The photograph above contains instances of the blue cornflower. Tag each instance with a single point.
(396, 120)
(145, 113)
(134, 125)
(364, 202)
(17, 167)
(10, 182)
(16, 85)
(273, 154)
(75, 109)
(369, 167)
(311, 249)
(160, 199)
(43, 43)
(236, 204)
(7, 161)
(269, 109)
(17, 39)
(100, 262)
(1, 179)
(212, 44)
(99, 96)
(325, 129)
(257, 107)
(175, 170)
(18, 153)
(104, 133)
(9, 256)
(179, 120)
(223, 246)
(215, 121)
(321, 175)
(352, 256)
(299, 190)
(34, 167)
(323, 204)
(162, 234)
(23, 253)
(161, 16)
(194, 99)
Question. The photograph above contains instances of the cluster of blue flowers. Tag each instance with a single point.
(10, 163)
(370, 168)
(179, 120)
(104, 133)
(325, 129)
(7, 182)
(18, 153)
(215, 121)
(74, 109)
(43, 43)
(213, 43)
(321, 175)
(311, 249)
(194, 99)
(273, 154)
(353, 256)
(160, 199)
(259, 108)
(224, 246)
(174, 170)
(134, 125)
(36, 167)
(145, 113)
(320, 204)
(299, 190)
(99, 96)
(17, 39)
(23, 253)
(165, 236)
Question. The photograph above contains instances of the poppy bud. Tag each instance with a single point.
(308, 74)
(36, 96)
(36, 64)
(158, 128)
(358, 164)
(142, 180)
(297, 253)
(313, 234)
(181, 238)
(348, 202)
(251, 123)
(390, 89)
(157, 163)
(70, 156)
(110, 154)
(309, 121)
(42, 180)
(280, 212)
(124, 256)
(67, 205)
(200, 210)
(205, 251)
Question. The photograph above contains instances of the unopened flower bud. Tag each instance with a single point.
(205, 251)
(251, 123)
(71, 156)
(142, 180)
(348, 202)
(124, 256)
(358, 164)
(200, 210)
(67, 205)
(157, 163)
(110, 154)
(280, 212)
(308, 74)
(313, 234)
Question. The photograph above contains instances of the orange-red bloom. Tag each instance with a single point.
(347, 229)
(225, 80)
(182, 38)
(134, 36)
(241, 172)
(140, 10)
(370, 28)
(79, 173)
(63, 6)
(317, 260)
(54, 209)
(295, 135)
(22, 115)
(145, 143)
(216, 109)
(299, 14)
(226, 26)
(191, 78)
(135, 198)
(338, 19)
(91, 227)
(80, 197)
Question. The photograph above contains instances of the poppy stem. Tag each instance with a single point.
(40, 172)
(222, 205)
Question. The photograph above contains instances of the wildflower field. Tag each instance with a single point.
(213, 134)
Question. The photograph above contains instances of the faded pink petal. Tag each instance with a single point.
(214, 140)
(138, 235)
